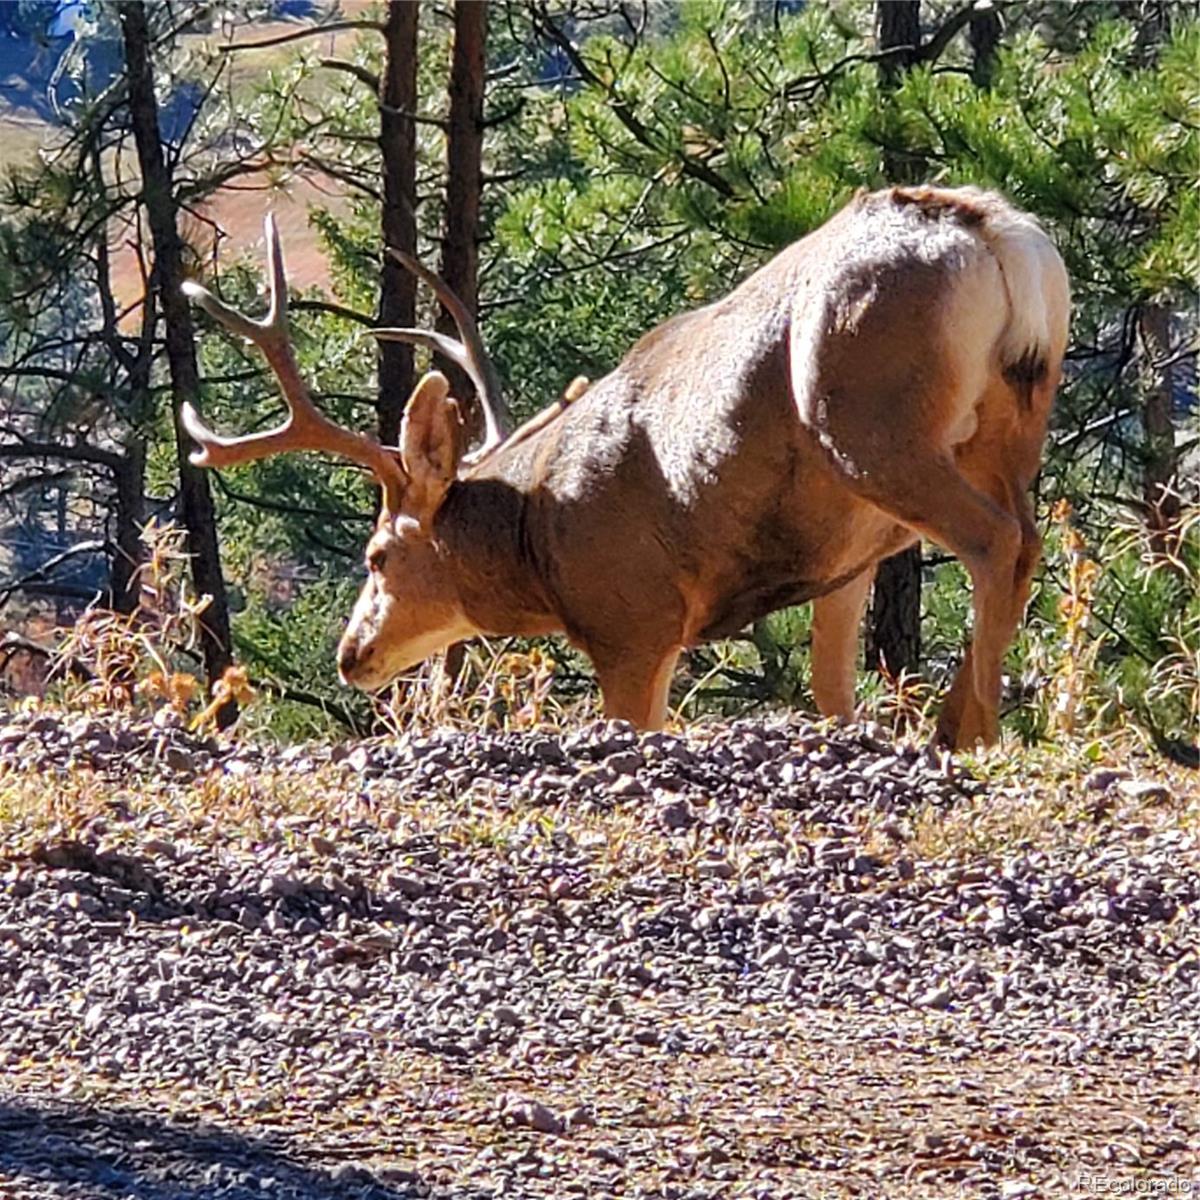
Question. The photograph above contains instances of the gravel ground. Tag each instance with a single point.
(762, 959)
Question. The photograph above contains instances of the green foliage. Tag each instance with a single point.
(1114, 634)
(289, 638)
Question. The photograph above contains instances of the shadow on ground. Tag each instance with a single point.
(120, 884)
(78, 1150)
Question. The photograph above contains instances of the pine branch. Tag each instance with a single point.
(642, 134)
(361, 73)
(25, 448)
(297, 34)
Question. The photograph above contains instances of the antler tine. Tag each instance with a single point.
(277, 312)
(469, 353)
(306, 427)
(448, 347)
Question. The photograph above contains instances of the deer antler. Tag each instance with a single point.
(306, 427)
(469, 353)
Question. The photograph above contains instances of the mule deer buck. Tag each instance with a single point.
(886, 378)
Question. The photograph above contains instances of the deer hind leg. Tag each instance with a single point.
(924, 490)
(636, 688)
(836, 618)
(963, 720)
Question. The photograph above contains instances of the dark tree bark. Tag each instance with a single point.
(899, 23)
(61, 609)
(894, 631)
(984, 33)
(894, 628)
(167, 278)
(398, 147)
(1160, 456)
(899, 29)
(464, 195)
(464, 179)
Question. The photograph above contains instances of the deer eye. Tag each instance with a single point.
(376, 559)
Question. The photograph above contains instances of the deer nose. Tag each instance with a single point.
(352, 655)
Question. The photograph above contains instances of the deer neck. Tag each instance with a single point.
(483, 528)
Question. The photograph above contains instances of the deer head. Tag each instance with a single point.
(408, 608)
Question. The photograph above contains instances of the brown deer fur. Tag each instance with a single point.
(888, 377)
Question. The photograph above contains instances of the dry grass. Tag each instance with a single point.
(495, 689)
(1038, 798)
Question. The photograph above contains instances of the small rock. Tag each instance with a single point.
(282, 885)
(1102, 778)
(832, 851)
(1145, 791)
(412, 887)
(627, 787)
(776, 956)
(714, 868)
(351, 1174)
(937, 998)
(676, 815)
(179, 760)
(532, 1114)
(625, 762)
(580, 1117)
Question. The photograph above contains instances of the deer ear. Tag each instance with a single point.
(432, 440)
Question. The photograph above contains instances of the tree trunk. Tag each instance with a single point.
(464, 194)
(984, 33)
(130, 517)
(894, 630)
(464, 181)
(1161, 456)
(158, 197)
(894, 633)
(398, 147)
(899, 23)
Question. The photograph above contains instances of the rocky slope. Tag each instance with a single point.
(758, 959)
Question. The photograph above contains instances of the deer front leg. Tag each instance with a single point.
(836, 618)
(636, 687)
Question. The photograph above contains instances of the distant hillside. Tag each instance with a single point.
(28, 123)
